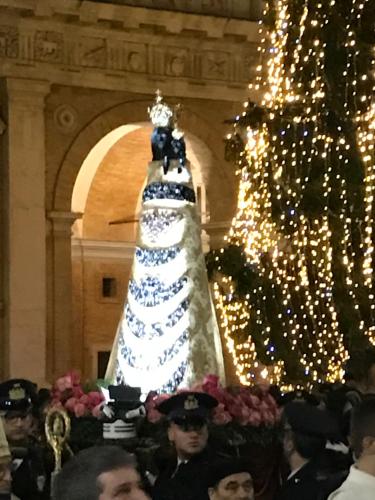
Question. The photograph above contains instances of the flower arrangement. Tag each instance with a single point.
(68, 393)
(244, 406)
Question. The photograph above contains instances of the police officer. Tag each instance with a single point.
(28, 468)
(184, 476)
(306, 430)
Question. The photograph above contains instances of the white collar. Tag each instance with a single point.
(361, 477)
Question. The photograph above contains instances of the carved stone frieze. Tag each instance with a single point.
(135, 57)
(93, 52)
(49, 46)
(113, 52)
(177, 62)
(215, 65)
(9, 41)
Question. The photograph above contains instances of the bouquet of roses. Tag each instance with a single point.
(246, 406)
(68, 393)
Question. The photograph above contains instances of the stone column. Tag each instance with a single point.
(25, 231)
(62, 345)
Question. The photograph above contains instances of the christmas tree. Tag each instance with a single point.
(294, 283)
(168, 334)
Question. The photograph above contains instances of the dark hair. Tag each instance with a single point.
(308, 446)
(363, 424)
(78, 479)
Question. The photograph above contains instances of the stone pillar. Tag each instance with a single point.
(25, 232)
(62, 345)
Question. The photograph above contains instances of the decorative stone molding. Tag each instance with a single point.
(154, 44)
(238, 9)
(27, 93)
(111, 250)
(65, 117)
(62, 222)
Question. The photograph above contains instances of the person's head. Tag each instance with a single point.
(188, 414)
(16, 402)
(189, 435)
(99, 473)
(306, 429)
(18, 425)
(230, 480)
(362, 436)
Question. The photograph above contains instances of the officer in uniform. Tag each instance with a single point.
(28, 469)
(184, 476)
(306, 430)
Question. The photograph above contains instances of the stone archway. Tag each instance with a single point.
(61, 353)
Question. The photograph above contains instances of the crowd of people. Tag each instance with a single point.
(328, 445)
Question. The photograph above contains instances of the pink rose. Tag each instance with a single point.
(218, 393)
(210, 381)
(77, 392)
(74, 376)
(63, 383)
(268, 418)
(153, 415)
(97, 411)
(240, 412)
(270, 401)
(221, 416)
(255, 418)
(85, 400)
(95, 398)
(70, 404)
(79, 410)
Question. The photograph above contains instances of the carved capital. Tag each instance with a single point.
(26, 92)
(61, 222)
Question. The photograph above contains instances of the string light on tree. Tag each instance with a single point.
(305, 216)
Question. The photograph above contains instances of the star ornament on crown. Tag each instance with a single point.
(160, 113)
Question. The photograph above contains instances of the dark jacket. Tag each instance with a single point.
(310, 483)
(29, 476)
(187, 482)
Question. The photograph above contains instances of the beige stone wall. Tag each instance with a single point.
(72, 72)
